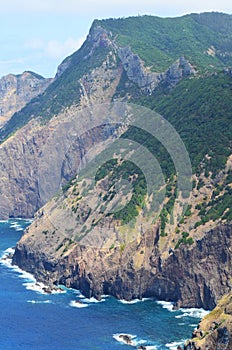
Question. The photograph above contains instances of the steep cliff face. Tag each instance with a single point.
(203, 274)
(101, 262)
(17, 90)
(29, 159)
(147, 80)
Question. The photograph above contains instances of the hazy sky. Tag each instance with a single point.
(38, 34)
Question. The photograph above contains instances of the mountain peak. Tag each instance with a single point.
(17, 90)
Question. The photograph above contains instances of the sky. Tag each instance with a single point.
(37, 35)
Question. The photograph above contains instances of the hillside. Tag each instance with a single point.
(104, 71)
(204, 39)
(126, 160)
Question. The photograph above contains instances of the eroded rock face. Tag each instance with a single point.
(195, 277)
(29, 160)
(19, 196)
(147, 80)
(202, 273)
(17, 90)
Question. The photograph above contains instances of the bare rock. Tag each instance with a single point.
(17, 90)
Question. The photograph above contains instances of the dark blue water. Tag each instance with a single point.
(32, 320)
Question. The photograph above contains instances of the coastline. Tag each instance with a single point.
(81, 301)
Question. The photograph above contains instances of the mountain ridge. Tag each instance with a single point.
(103, 38)
(175, 252)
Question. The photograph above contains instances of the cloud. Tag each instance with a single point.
(56, 49)
(53, 48)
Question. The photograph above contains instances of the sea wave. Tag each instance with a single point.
(30, 281)
(192, 312)
(133, 301)
(120, 339)
(39, 301)
(15, 225)
(76, 303)
(6, 257)
(166, 305)
(92, 300)
(132, 340)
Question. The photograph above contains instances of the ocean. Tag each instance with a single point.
(30, 319)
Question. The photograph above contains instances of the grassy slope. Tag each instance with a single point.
(160, 41)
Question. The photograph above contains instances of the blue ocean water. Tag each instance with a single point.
(32, 320)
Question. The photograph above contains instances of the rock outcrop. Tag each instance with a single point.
(215, 330)
(148, 81)
(17, 90)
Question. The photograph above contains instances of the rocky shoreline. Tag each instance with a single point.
(196, 277)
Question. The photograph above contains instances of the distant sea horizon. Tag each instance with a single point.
(32, 319)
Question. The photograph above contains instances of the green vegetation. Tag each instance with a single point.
(186, 240)
(116, 171)
(219, 207)
(159, 44)
(188, 210)
(166, 214)
(164, 40)
(200, 109)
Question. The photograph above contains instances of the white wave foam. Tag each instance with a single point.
(35, 287)
(166, 305)
(133, 301)
(195, 313)
(15, 225)
(30, 281)
(175, 344)
(133, 340)
(91, 300)
(119, 338)
(9, 251)
(20, 219)
(81, 296)
(39, 301)
(6, 257)
(29, 221)
(41, 288)
(76, 303)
